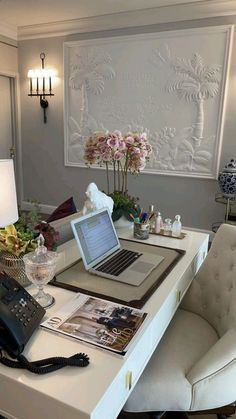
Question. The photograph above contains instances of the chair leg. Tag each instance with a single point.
(156, 415)
(176, 415)
(140, 415)
(223, 412)
(171, 415)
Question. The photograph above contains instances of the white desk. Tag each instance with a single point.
(100, 390)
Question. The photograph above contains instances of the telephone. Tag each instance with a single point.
(20, 315)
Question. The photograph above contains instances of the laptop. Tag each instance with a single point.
(102, 254)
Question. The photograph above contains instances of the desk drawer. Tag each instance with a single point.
(190, 273)
(127, 377)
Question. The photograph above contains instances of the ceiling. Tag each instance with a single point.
(31, 12)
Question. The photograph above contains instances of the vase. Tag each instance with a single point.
(122, 222)
(227, 180)
(14, 267)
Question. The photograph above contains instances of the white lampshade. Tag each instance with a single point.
(8, 199)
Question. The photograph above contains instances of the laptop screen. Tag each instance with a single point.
(95, 236)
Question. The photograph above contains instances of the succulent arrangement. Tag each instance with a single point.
(15, 242)
(21, 237)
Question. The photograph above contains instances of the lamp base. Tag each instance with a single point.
(14, 267)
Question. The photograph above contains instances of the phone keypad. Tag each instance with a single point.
(25, 310)
(20, 315)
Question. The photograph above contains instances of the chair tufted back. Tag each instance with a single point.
(212, 294)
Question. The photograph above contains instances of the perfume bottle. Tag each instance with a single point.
(158, 223)
(152, 217)
(176, 227)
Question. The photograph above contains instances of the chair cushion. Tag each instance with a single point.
(163, 384)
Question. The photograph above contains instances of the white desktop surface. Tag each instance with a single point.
(100, 390)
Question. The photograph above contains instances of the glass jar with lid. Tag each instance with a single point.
(167, 227)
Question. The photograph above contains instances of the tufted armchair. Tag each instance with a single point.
(194, 366)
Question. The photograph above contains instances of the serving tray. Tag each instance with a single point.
(182, 235)
(76, 278)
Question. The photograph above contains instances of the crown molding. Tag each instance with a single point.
(157, 15)
(8, 31)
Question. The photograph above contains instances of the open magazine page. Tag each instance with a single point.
(102, 323)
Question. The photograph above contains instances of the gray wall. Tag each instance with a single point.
(8, 56)
(49, 181)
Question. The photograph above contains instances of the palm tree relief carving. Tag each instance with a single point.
(195, 82)
(88, 74)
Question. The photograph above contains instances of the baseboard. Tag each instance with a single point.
(45, 209)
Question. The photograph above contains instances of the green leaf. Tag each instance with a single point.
(116, 214)
(11, 230)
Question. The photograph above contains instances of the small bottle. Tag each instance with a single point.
(167, 227)
(152, 217)
(176, 227)
(151, 208)
(158, 223)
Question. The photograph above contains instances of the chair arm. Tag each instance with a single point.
(213, 376)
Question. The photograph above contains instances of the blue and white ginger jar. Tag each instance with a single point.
(227, 180)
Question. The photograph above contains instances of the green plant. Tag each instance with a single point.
(20, 238)
(28, 220)
(125, 205)
(16, 242)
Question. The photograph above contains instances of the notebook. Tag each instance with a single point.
(102, 254)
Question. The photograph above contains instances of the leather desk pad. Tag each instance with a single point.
(76, 278)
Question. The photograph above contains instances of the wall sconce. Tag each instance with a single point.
(40, 85)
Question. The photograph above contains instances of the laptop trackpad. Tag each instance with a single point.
(141, 267)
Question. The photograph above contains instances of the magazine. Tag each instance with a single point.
(99, 322)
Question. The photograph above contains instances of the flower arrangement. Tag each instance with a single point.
(21, 237)
(124, 154)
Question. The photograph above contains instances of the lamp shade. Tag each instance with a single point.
(8, 199)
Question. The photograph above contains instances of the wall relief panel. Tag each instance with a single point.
(170, 84)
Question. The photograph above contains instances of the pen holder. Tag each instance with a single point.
(141, 230)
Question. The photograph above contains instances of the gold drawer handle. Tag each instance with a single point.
(179, 293)
(128, 380)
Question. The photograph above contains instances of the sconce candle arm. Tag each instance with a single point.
(31, 85)
(40, 94)
(42, 56)
(42, 75)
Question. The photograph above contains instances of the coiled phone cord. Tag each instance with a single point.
(46, 365)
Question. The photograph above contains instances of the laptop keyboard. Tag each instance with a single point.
(118, 263)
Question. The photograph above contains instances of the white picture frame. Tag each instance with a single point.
(171, 84)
